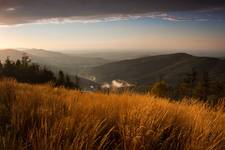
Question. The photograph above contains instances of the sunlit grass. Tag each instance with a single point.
(41, 117)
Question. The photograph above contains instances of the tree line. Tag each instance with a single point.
(25, 71)
(195, 84)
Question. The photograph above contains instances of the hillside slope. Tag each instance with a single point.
(171, 68)
(45, 118)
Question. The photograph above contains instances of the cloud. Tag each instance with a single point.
(10, 9)
(13, 12)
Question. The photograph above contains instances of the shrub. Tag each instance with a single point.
(160, 89)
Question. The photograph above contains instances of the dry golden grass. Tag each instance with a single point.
(45, 118)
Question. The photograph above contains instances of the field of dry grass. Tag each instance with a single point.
(41, 117)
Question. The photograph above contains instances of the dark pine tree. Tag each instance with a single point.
(1, 68)
(61, 79)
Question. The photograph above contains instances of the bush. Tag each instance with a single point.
(160, 89)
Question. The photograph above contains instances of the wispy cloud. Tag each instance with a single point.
(98, 19)
(14, 12)
(10, 9)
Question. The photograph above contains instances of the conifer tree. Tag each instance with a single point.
(61, 78)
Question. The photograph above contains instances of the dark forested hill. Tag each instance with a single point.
(171, 68)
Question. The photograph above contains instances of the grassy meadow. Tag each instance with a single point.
(40, 117)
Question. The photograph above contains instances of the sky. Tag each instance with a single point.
(194, 26)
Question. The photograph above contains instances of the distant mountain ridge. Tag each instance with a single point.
(171, 68)
(54, 60)
(143, 71)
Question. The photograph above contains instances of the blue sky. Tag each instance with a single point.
(190, 31)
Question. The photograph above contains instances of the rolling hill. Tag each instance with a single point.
(54, 60)
(142, 71)
(172, 68)
(114, 55)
